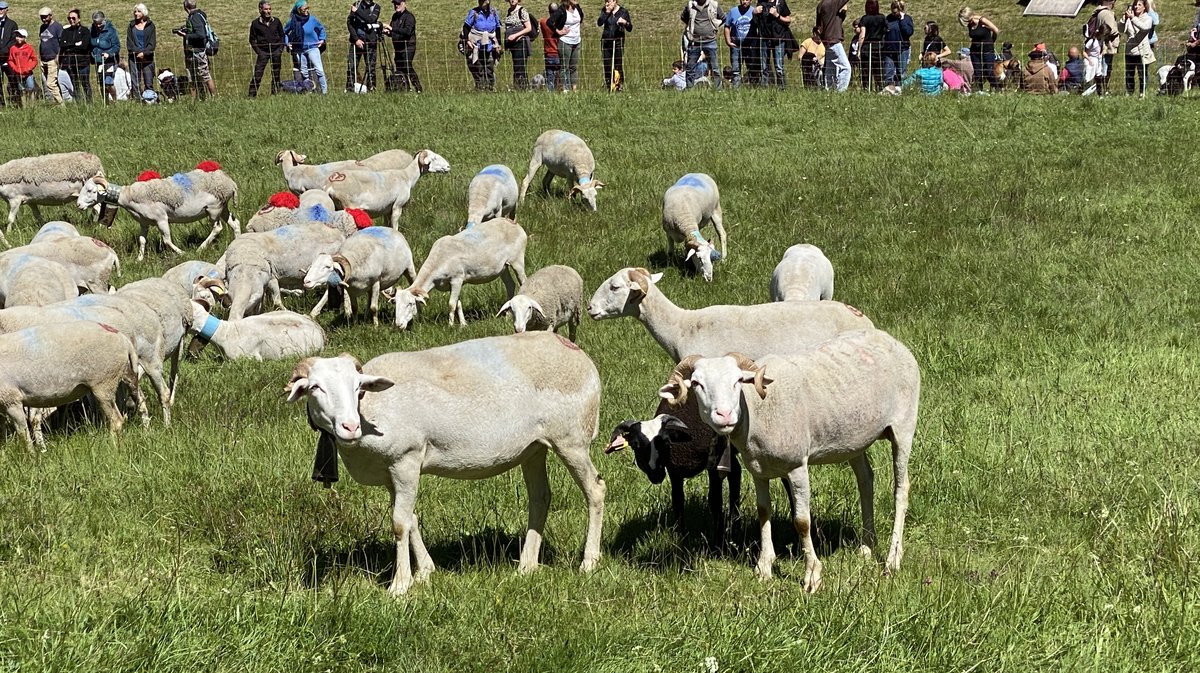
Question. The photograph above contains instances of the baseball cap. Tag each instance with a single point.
(22, 32)
(45, 11)
(965, 51)
(3, 5)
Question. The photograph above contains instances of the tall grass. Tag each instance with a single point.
(1037, 259)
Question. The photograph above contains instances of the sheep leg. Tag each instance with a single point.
(216, 229)
(866, 499)
(276, 294)
(320, 304)
(14, 205)
(36, 419)
(420, 554)
(173, 381)
(16, 414)
(901, 450)
(537, 486)
(518, 269)
(735, 488)
(107, 400)
(455, 304)
(677, 501)
(155, 373)
(718, 222)
(579, 464)
(37, 214)
(397, 210)
(803, 523)
(164, 228)
(232, 219)
(766, 554)
(143, 231)
(374, 303)
(347, 303)
(535, 162)
(404, 496)
(510, 287)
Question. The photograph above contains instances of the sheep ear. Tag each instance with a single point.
(296, 388)
(598, 184)
(537, 307)
(655, 277)
(374, 384)
(506, 307)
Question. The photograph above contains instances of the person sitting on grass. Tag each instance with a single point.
(953, 80)
(678, 78)
(1039, 78)
(1071, 76)
(929, 76)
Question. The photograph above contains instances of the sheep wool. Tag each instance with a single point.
(65, 167)
(172, 191)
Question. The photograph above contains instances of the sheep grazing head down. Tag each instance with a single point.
(523, 308)
(333, 387)
(432, 162)
(701, 254)
(407, 303)
(621, 294)
(717, 384)
(587, 189)
(651, 443)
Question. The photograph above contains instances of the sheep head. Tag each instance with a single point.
(622, 293)
(333, 388)
(651, 443)
(587, 189)
(523, 309)
(296, 157)
(89, 193)
(717, 384)
(407, 303)
(432, 162)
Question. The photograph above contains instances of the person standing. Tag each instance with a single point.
(831, 19)
(305, 35)
(615, 23)
(737, 26)
(403, 29)
(1137, 24)
(568, 26)
(140, 40)
(550, 45)
(872, 29)
(518, 26)
(365, 29)
(8, 37)
(702, 20)
(195, 40)
(76, 54)
(266, 40)
(897, 48)
(983, 34)
(106, 47)
(773, 17)
(482, 46)
(48, 51)
(22, 61)
(1110, 40)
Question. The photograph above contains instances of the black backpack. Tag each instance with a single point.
(534, 26)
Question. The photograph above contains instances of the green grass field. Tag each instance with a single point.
(1037, 256)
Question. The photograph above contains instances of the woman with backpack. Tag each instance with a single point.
(480, 43)
(305, 35)
(518, 29)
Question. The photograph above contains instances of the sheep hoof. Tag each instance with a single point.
(812, 577)
(526, 568)
(423, 574)
(866, 552)
(588, 565)
(763, 573)
(398, 588)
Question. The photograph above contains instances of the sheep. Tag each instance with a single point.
(370, 260)
(56, 364)
(301, 177)
(567, 156)
(90, 261)
(492, 193)
(804, 273)
(688, 205)
(476, 255)
(270, 336)
(183, 197)
(257, 263)
(51, 179)
(55, 230)
(26, 280)
(314, 205)
(382, 192)
(756, 330)
(469, 410)
(185, 274)
(824, 406)
(548, 299)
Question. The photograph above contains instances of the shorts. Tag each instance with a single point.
(197, 63)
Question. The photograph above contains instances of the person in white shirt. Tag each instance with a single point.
(122, 81)
(567, 25)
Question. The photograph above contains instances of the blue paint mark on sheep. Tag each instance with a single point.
(495, 169)
(380, 233)
(691, 180)
(286, 233)
(489, 360)
(182, 180)
(319, 213)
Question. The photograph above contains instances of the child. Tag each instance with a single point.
(22, 60)
(953, 81)
(929, 76)
(677, 80)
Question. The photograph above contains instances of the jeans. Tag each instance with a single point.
(710, 51)
(1135, 67)
(310, 59)
(50, 77)
(368, 54)
(142, 74)
(982, 63)
(735, 63)
(261, 60)
(902, 64)
(518, 51)
(569, 54)
(613, 53)
(483, 70)
(552, 68)
(837, 68)
(772, 62)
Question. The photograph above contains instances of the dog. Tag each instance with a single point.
(1007, 72)
(169, 85)
(1175, 80)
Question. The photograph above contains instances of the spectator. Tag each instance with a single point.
(702, 20)
(953, 80)
(1074, 71)
(365, 30)
(897, 48)
(8, 35)
(305, 35)
(983, 34)
(195, 40)
(773, 19)
(812, 59)
(1136, 24)
(266, 41)
(678, 78)
(122, 81)
(22, 61)
(615, 22)
(518, 26)
(1193, 45)
(962, 65)
(1110, 40)
(567, 25)
(403, 29)
(76, 54)
(737, 27)
(482, 46)
(65, 88)
(140, 40)
(1038, 77)
(550, 45)
(1154, 29)
(933, 41)
(929, 76)
(106, 46)
(831, 18)
(872, 29)
(48, 51)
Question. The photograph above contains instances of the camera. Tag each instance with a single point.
(181, 31)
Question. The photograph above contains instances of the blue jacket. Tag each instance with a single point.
(105, 41)
(899, 31)
(301, 35)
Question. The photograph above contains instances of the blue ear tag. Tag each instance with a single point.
(584, 181)
(210, 327)
(335, 279)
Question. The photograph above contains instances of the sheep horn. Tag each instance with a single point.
(339, 259)
(641, 278)
(679, 376)
(760, 373)
(302, 370)
(357, 364)
(100, 180)
(574, 190)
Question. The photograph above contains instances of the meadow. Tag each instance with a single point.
(1037, 256)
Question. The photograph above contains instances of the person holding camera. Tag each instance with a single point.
(702, 20)
(1136, 24)
(773, 17)
(195, 41)
(403, 30)
(480, 43)
(365, 31)
(305, 35)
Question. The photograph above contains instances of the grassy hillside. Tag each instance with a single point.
(1039, 260)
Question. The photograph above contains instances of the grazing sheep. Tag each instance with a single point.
(803, 274)
(26, 280)
(470, 410)
(185, 274)
(492, 194)
(314, 206)
(56, 364)
(567, 156)
(268, 261)
(371, 260)
(821, 407)
(301, 178)
(382, 192)
(548, 299)
(183, 197)
(53, 231)
(51, 179)
(90, 261)
(492, 249)
(756, 330)
(270, 336)
(688, 205)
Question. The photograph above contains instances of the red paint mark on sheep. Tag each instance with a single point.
(108, 328)
(854, 310)
(98, 243)
(208, 166)
(337, 177)
(567, 342)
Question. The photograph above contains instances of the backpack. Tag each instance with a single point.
(534, 26)
(1093, 29)
(212, 43)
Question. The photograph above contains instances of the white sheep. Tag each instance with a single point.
(373, 259)
(51, 179)
(90, 261)
(550, 298)
(492, 249)
(383, 192)
(270, 336)
(264, 262)
(315, 206)
(183, 197)
(53, 231)
(55, 364)
(756, 330)
(301, 177)
(26, 280)
(470, 410)
(825, 406)
(185, 274)
(567, 156)
(804, 273)
(688, 205)
(491, 194)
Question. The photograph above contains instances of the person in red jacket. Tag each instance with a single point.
(22, 60)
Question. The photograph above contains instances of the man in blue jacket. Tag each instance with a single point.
(365, 30)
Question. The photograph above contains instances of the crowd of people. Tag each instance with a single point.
(757, 36)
